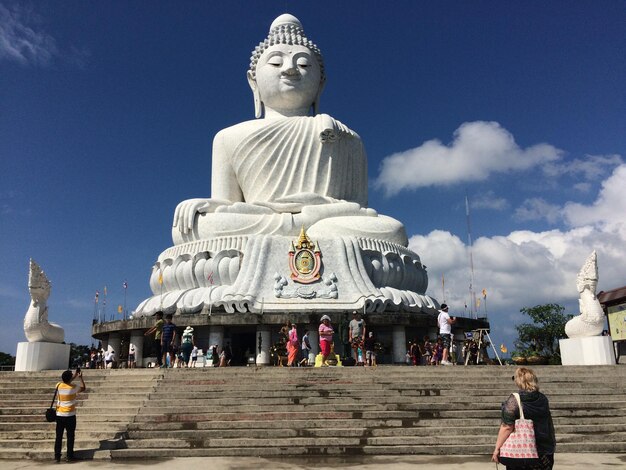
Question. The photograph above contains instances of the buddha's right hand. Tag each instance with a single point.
(185, 213)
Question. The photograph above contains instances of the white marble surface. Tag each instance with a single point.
(291, 168)
(37, 356)
(381, 276)
(590, 351)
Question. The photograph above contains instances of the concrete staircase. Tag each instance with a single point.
(302, 411)
(384, 410)
(112, 399)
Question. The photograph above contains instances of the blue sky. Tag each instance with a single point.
(108, 110)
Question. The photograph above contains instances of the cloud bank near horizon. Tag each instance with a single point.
(527, 268)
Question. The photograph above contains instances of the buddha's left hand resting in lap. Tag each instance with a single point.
(286, 169)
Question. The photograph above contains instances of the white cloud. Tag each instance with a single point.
(22, 40)
(489, 200)
(538, 209)
(21, 43)
(609, 209)
(527, 268)
(591, 168)
(582, 187)
(478, 150)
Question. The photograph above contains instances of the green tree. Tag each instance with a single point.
(6, 359)
(542, 336)
(78, 353)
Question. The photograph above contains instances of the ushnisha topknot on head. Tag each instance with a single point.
(286, 29)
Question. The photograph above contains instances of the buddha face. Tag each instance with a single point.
(287, 78)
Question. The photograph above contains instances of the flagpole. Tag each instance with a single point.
(473, 309)
(95, 308)
(125, 289)
(104, 304)
(486, 315)
(161, 287)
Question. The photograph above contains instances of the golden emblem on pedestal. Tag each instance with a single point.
(305, 260)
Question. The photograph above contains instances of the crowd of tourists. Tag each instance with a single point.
(173, 348)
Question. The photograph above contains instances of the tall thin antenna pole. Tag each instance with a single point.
(443, 288)
(471, 260)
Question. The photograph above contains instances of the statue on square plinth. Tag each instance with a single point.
(590, 322)
(585, 345)
(45, 348)
(37, 328)
(289, 171)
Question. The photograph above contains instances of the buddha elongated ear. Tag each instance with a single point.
(316, 103)
(258, 104)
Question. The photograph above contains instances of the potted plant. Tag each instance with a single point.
(535, 359)
(519, 357)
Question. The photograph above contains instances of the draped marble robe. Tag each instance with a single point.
(298, 171)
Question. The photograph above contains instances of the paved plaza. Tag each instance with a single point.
(400, 462)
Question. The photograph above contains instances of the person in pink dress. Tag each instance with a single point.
(292, 347)
(326, 338)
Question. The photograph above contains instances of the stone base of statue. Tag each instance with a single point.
(259, 273)
(37, 356)
(590, 351)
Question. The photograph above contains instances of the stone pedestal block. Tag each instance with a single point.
(216, 336)
(399, 344)
(137, 339)
(33, 357)
(590, 351)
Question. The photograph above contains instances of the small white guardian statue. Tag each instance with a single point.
(590, 322)
(36, 325)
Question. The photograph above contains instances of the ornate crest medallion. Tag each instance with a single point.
(305, 260)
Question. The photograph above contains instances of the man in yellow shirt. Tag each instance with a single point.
(66, 412)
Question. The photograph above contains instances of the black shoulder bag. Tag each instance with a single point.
(51, 413)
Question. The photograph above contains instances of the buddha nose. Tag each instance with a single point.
(290, 70)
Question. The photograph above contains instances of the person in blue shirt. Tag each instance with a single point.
(168, 341)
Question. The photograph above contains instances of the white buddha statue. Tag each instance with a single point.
(286, 169)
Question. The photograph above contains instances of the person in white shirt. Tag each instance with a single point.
(131, 356)
(445, 332)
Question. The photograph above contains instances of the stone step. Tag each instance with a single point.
(92, 409)
(340, 449)
(349, 439)
(367, 423)
(43, 444)
(340, 406)
(193, 402)
(413, 390)
(279, 432)
(335, 449)
(90, 425)
(335, 411)
(50, 433)
(39, 418)
(48, 455)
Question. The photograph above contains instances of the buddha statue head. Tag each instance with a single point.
(286, 71)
